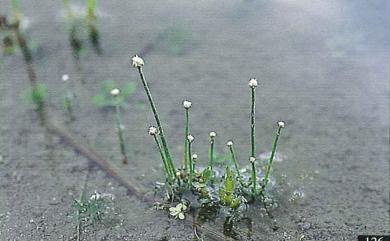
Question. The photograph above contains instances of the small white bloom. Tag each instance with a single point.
(187, 104)
(65, 77)
(213, 134)
(137, 62)
(153, 130)
(252, 83)
(252, 159)
(190, 138)
(115, 92)
(194, 156)
(281, 124)
(178, 211)
(229, 143)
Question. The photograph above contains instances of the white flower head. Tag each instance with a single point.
(229, 143)
(253, 83)
(178, 211)
(213, 134)
(65, 77)
(252, 159)
(194, 156)
(153, 130)
(190, 138)
(281, 124)
(115, 92)
(187, 104)
(137, 62)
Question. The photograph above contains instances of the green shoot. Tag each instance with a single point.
(16, 13)
(190, 139)
(234, 160)
(253, 85)
(115, 93)
(138, 63)
(187, 106)
(281, 125)
(226, 193)
(211, 150)
(153, 131)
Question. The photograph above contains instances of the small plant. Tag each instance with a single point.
(69, 97)
(208, 186)
(115, 93)
(105, 100)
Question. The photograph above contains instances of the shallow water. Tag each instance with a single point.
(322, 67)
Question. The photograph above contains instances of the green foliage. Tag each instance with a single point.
(226, 193)
(38, 94)
(94, 209)
(104, 98)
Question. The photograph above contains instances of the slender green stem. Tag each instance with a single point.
(253, 139)
(168, 173)
(120, 134)
(211, 155)
(187, 123)
(233, 157)
(190, 177)
(269, 166)
(161, 131)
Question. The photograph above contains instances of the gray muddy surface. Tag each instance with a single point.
(323, 67)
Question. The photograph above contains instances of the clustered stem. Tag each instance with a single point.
(233, 156)
(120, 134)
(167, 155)
(186, 132)
(166, 166)
(253, 144)
(269, 166)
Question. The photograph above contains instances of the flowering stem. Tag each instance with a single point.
(269, 166)
(168, 173)
(233, 156)
(186, 155)
(253, 145)
(120, 133)
(211, 154)
(190, 163)
(161, 132)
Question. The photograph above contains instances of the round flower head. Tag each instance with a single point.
(137, 62)
(213, 134)
(229, 143)
(115, 92)
(187, 104)
(281, 124)
(65, 77)
(190, 138)
(252, 159)
(153, 130)
(252, 83)
(194, 156)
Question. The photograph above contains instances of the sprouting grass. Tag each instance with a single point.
(232, 188)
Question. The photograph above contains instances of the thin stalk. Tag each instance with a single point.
(269, 166)
(120, 134)
(211, 154)
(253, 145)
(69, 107)
(186, 132)
(168, 173)
(190, 163)
(161, 131)
(233, 156)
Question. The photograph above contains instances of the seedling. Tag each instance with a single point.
(105, 100)
(90, 20)
(69, 97)
(115, 93)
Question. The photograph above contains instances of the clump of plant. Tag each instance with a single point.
(105, 100)
(206, 186)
